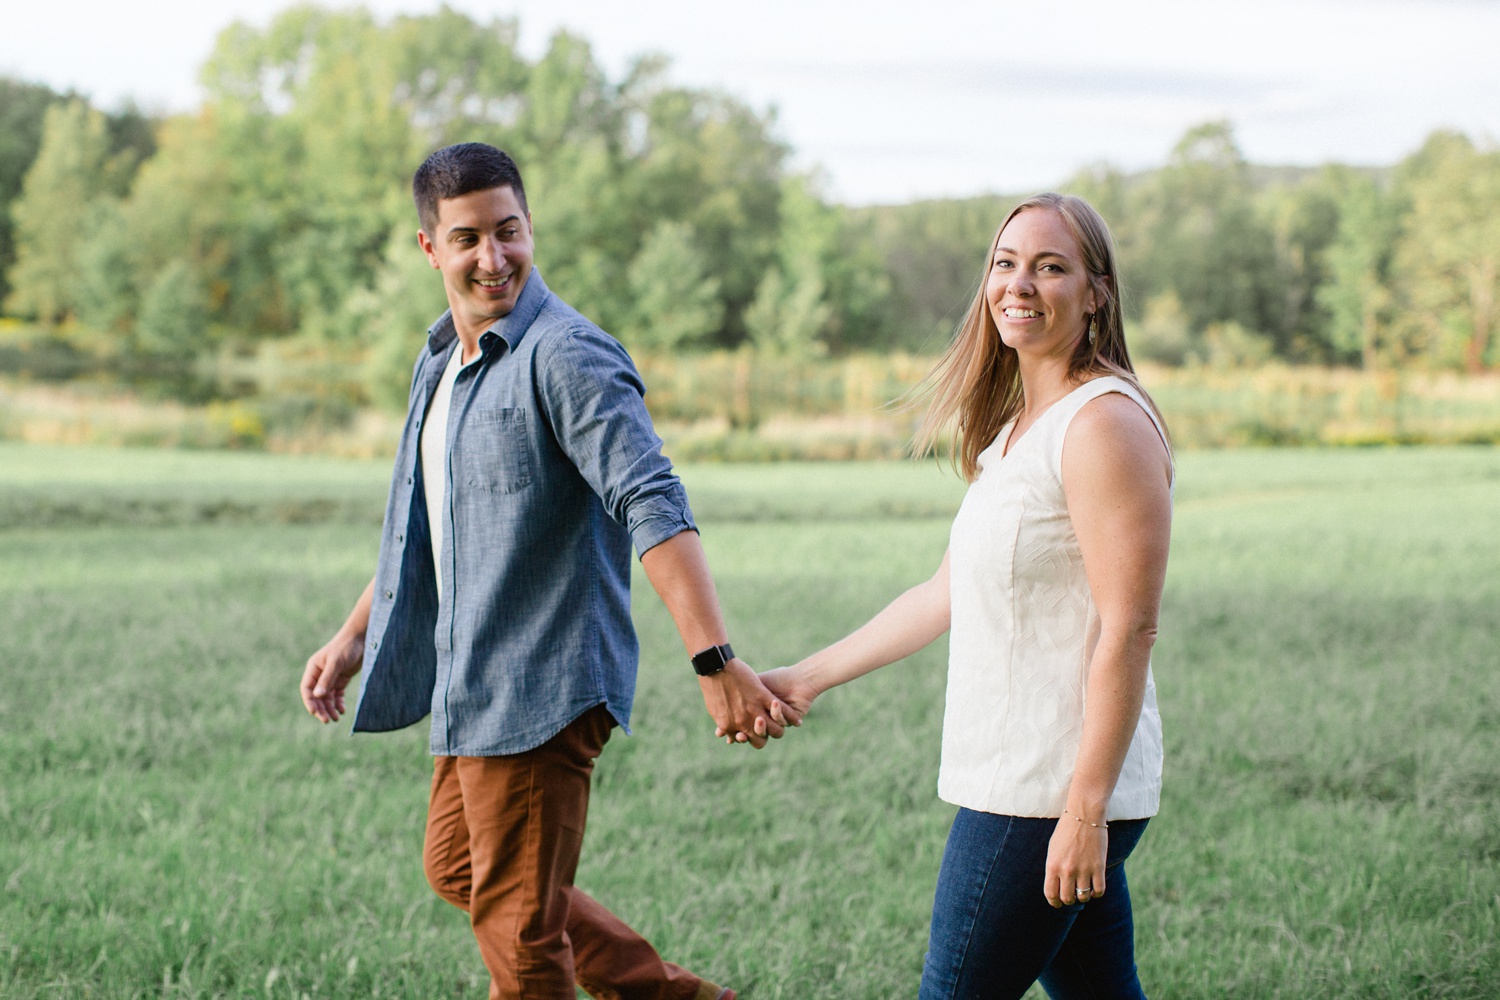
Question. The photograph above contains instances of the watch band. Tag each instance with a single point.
(712, 660)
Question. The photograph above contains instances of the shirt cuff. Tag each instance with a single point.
(655, 519)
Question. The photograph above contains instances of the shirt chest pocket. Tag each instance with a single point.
(495, 451)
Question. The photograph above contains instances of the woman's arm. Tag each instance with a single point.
(1117, 479)
(906, 625)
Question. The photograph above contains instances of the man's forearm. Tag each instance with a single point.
(678, 570)
(735, 697)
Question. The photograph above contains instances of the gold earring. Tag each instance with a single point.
(1093, 327)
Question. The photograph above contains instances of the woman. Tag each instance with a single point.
(1051, 584)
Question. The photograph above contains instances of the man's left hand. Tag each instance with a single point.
(743, 710)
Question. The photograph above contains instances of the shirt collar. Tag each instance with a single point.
(510, 327)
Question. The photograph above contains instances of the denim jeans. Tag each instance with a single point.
(994, 934)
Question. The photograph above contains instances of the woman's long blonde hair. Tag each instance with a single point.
(975, 388)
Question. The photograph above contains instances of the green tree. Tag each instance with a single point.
(23, 106)
(675, 302)
(314, 142)
(859, 288)
(394, 314)
(1446, 270)
(1356, 294)
(23, 109)
(58, 211)
(790, 312)
(174, 311)
(1163, 333)
(191, 205)
(712, 162)
(108, 303)
(1303, 215)
(1205, 240)
(788, 315)
(661, 211)
(322, 116)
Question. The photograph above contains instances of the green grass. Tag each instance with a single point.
(173, 825)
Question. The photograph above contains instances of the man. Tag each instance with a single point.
(500, 605)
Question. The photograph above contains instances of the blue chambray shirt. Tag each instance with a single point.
(553, 471)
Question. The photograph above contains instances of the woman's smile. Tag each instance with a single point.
(1038, 288)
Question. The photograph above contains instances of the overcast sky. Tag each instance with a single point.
(940, 97)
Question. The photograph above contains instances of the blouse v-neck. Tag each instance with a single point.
(1010, 443)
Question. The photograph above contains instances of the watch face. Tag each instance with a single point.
(713, 659)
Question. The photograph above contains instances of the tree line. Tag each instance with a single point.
(280, 209)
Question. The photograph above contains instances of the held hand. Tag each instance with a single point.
(1075, 862)
(792, 688)
(742, 709)
(327, 675)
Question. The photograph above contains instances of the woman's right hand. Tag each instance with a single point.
(788, 685)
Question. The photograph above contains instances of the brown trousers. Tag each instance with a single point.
(503, 836)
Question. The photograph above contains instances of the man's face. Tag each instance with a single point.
(482, 244)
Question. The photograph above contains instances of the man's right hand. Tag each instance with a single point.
(329, 669)
(328, 673)
(743, 709)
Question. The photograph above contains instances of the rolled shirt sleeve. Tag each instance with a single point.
(595, 400)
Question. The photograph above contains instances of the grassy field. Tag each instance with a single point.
(173, 825)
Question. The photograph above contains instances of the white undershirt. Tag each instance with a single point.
(434, 453)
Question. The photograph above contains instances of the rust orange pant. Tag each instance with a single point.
(503, 836)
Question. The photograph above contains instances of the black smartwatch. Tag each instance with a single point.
(712, 660)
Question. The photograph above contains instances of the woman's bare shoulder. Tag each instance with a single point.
(1112, 429)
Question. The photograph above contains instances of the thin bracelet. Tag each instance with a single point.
(1097, 826)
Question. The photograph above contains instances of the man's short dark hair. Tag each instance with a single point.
(457, 170)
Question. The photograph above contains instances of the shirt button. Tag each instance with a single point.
(400, 538)
(388, 595)
(408, 480)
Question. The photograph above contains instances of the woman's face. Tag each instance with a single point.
(1038, 288)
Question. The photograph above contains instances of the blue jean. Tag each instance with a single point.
(994, 934)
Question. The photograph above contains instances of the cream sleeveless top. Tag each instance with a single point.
(1023, 630)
